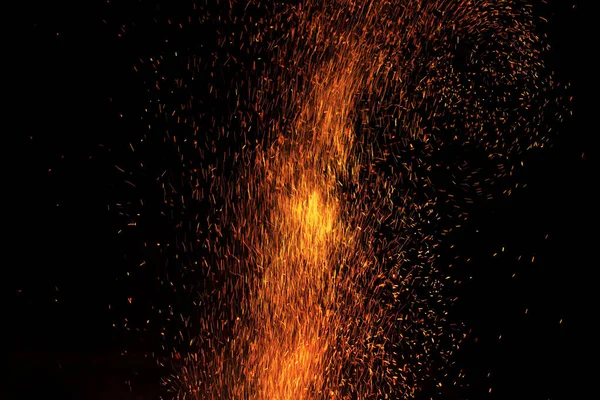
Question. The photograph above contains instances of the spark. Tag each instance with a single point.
(315, 209)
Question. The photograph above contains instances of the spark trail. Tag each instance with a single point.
(323, 254)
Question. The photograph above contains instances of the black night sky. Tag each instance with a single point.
(531, 334)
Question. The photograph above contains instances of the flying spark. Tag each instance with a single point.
(306, 222)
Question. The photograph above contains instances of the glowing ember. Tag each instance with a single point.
(318, 255)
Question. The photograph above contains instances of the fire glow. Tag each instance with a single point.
(326, 282)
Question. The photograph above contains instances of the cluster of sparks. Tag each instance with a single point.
(306, 222)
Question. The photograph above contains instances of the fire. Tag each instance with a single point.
(330, 283)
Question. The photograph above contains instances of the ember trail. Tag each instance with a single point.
(319, 272)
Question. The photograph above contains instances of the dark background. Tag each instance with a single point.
(65, 257)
